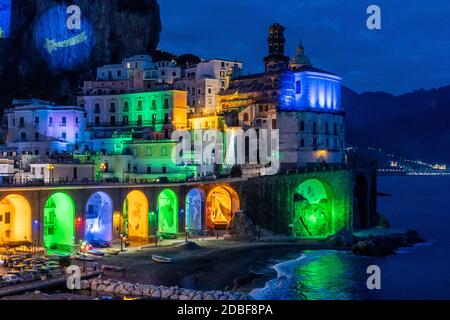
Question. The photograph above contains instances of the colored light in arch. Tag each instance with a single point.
(195, 203)
(312, 211)
(59, 222)
(15, 225)
(99, 215)
(168, 212)
(222, 203)
(135, 213)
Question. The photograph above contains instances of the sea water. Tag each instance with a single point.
(420, 272)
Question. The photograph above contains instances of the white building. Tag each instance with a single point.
(202, 94)
(221, 70)
(38, 129)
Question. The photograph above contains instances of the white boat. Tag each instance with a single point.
(161, 259)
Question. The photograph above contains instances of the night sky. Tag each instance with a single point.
(410, 52)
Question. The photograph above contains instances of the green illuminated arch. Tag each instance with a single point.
(59, 223)
(168, 212)
(312, 210)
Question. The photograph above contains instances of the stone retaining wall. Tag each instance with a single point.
(158, 292)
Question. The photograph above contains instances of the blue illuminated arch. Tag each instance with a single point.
(99, 215)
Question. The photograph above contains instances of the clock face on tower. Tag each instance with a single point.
(64, 37)
(5, 18)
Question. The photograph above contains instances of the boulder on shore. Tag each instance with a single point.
(343, 238)
(242, 228)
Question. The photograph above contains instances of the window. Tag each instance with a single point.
(36, 153)
(298, 87)
(126, 107)
(327, 128)
(174, 74)
(36, 120)
(42, 171)
(77, 135)
(315, 142)
(23, 136)
(97, 121)
(63, 122)
(36, 136)
(164, 170)
(166, 118)
(113, 121)
(166, 103)
(209, 90)
(140, 120)
(149, 152)
(112, 107)
(125, 120)
(77, 120)
(97, 108)
(63, 136)
(314, 127)
(302, 126)
(149, 170)
(164, 151)
(50, 120)
(154, 104)
(140, 105)
(302, 143)
(21, 122)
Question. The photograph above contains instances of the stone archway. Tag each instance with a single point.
(168, 212)
(195, 210)
(136, 215)
(59, 223)
(221, 204)
(15, 219)
(99, 217)
(313, 214)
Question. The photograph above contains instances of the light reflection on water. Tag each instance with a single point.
(318, 275)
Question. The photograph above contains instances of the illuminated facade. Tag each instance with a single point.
(37, 129)
(303, 102)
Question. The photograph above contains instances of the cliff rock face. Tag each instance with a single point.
(115, 29)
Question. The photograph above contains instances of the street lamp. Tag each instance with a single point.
(51, 170)
(103, 168)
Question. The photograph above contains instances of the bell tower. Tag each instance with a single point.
(276, 61)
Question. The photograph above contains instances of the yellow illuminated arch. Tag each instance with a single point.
(15, 219)
(135, 214)
(221, 204)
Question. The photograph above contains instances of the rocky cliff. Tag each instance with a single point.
(117, 29)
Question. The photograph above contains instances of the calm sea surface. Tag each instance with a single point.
(421, 272)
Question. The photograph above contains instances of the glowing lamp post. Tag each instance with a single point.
(51, 170)
(103, 168)
(84, 248)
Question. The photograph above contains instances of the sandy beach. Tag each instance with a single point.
(207, 265)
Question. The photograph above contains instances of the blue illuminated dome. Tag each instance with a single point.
(64, 49)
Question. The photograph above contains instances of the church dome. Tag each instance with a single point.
(300, 58)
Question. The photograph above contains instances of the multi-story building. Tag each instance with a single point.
(39, 129)
(153, 112)
(303, 102)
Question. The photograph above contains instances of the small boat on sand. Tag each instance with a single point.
(112, 252)
(96, 253)
(161, 259)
